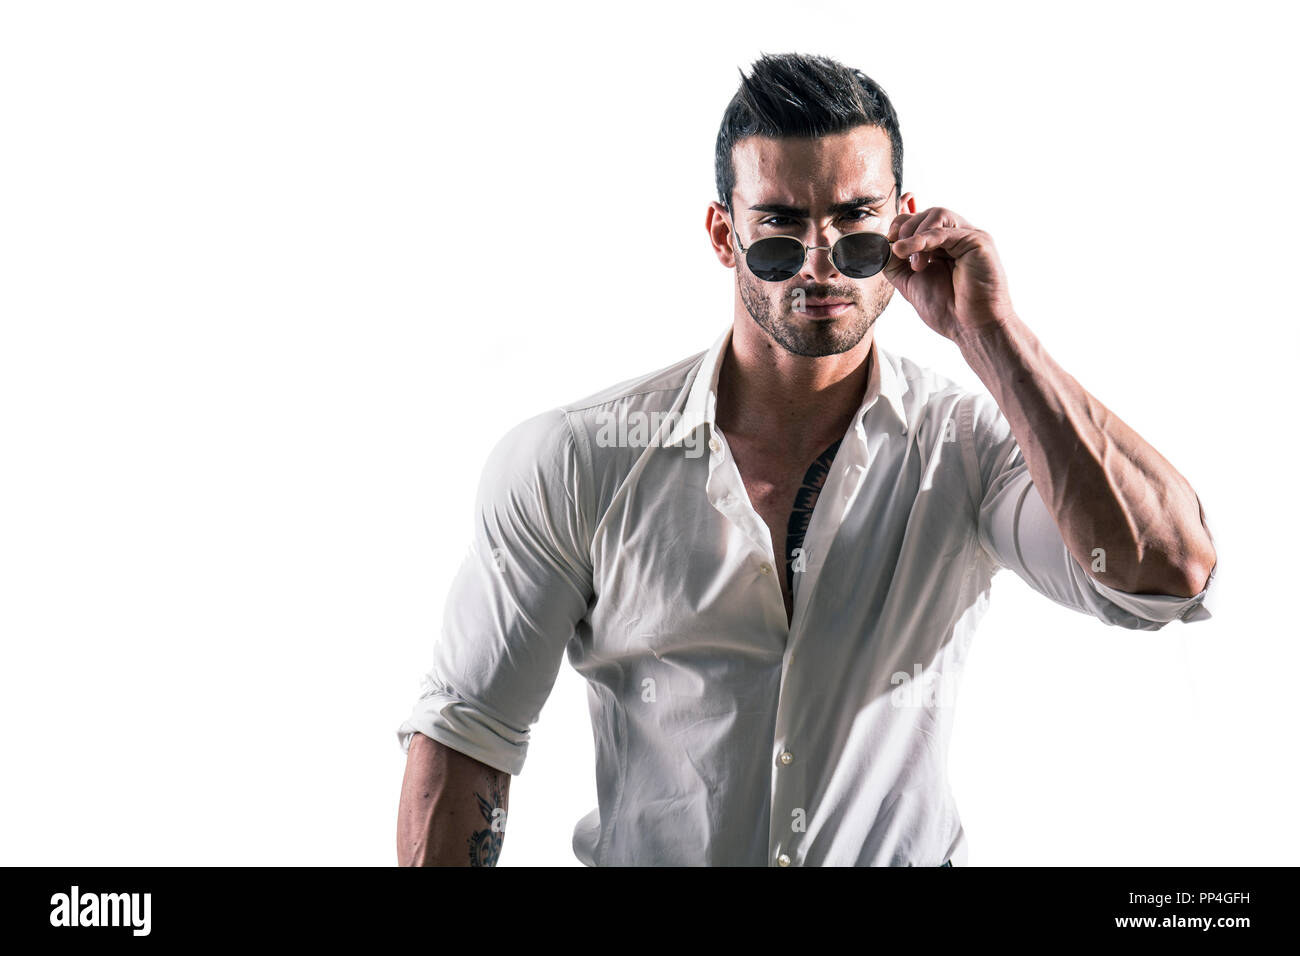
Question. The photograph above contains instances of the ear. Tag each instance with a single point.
(718, 224)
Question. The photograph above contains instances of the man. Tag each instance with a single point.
(768, 560)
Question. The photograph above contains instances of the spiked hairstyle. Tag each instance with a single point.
(792, 94)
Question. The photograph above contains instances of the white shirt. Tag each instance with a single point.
(618, 528)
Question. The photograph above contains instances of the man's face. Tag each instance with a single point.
(788, 187)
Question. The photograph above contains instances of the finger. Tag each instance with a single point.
(907, 225)
(896, 266)
(955, 221)
(955, 241)
(930, 219)
(936, 218)
(899, 223)
(912, 224)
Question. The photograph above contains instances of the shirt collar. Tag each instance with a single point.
(883, 381)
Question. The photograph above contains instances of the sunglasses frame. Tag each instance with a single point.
(806, 249)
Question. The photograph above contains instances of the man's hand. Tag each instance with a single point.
(949, 271)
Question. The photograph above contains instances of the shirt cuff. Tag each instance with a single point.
(467, 728)
(1161, 608)
(1164, 608)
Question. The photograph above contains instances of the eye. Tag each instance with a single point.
(860, 214)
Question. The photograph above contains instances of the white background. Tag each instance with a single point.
(267, 302)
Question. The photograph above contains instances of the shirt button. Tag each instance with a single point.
(783, 860)
(714, 444)
(765, 568)
(787, 758)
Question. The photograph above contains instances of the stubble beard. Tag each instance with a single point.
(813, 338)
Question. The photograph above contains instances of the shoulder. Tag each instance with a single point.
(954, 426)
(638, 406)
(532, 468)
(662, 385)
(560, 443)
(931, 397)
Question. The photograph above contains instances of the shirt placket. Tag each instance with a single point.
(726, 492)
(792, 777)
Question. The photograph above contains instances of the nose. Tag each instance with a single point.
(817, 265)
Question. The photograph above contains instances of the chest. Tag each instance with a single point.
(773, 494)
(783, 488)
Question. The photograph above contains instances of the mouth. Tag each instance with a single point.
(825, 308)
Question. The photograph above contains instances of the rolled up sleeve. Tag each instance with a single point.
(515, 602)
(1018, 532)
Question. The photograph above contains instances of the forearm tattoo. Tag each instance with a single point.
(485, 844)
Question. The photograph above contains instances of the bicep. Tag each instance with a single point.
(1017, 531)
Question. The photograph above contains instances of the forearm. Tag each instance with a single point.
(452, 810)
(1107, 488)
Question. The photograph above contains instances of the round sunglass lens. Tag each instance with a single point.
(862, 254)
(775, 259)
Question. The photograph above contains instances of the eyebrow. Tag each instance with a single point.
(801, 212)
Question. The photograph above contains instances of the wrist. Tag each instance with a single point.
(978, 342)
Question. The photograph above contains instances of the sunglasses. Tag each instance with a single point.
(858, 255)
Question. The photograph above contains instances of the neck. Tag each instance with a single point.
(765, 392)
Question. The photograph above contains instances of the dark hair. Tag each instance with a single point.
(791, 94)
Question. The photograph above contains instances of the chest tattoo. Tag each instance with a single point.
(804, 500)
